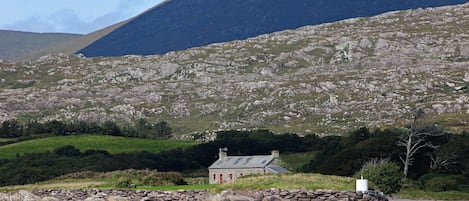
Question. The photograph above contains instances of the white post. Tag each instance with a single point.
(362, 185)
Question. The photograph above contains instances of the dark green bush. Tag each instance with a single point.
(124, 178)
(460, 179)
(163, 179)
(123, 182)
(385, 175)
(410, 185)
(430, 181)
(82, 175)
(425, 178)
(67, 150)
(439, 184)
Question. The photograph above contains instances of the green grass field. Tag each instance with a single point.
(290, 181)
(5, 139)
(111, 144)
(73, 184)
(253, 182)
(69, 184)
(426, 195)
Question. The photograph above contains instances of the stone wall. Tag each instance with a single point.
(298, 195)
(228, 195)
(104, 195)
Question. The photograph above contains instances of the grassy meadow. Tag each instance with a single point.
(253, 182)
(428, 195)
(69, 184)
(112, 144)
(5, 139)
(291, 181)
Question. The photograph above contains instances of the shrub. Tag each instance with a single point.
(425, 178)
(411, 185)
(123, 182)
(460, 179)
(384, 174)
(430, 181)
(82, 175)
(124, 178)
(163, 179)
(67, 150)
(439, 184)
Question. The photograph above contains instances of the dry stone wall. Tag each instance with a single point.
(191, 195)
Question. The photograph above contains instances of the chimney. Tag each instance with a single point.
(275, 154)
(222, 153)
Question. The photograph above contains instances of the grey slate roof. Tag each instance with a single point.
(277, 169)
(236, 162)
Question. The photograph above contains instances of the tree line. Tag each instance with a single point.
(142, 128)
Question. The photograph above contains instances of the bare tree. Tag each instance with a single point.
(414, 140)
(442, 163)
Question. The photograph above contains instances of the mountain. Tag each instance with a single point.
(71, 46)
(22, 46)
(180, 24)
(325, 79)
(15, 44)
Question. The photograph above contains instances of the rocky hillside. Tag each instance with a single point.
(326, 79)
(180, 24)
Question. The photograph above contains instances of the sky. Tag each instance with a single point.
(68, 16)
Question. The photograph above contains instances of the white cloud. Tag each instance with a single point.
(61, 21)
(77, 19)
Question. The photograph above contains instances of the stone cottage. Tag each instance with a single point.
(228, 168)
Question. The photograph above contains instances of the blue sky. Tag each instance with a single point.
(69, 16)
